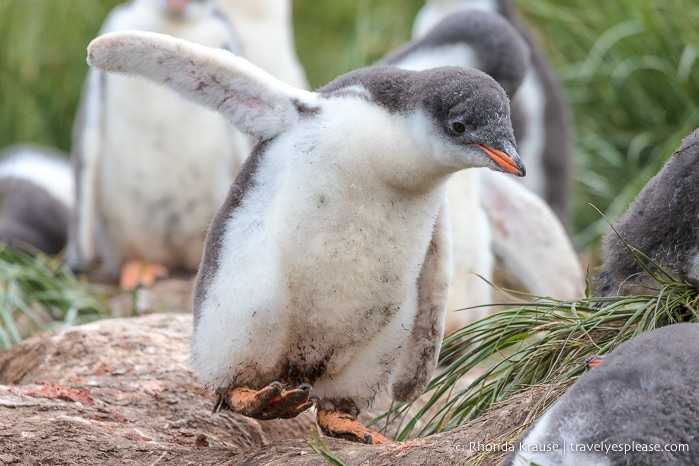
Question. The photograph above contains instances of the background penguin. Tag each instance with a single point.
(266, 33)
(489, 211)
(36, 195)
(151, 168)
(642, 394)
(329, 262)
(540, 115)
(663, 223)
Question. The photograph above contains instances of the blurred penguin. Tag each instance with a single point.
(266, 32)
(151, 168)
(36, 195)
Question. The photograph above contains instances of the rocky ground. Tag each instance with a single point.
(120, 391)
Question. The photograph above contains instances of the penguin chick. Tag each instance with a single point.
(267, 38)
(540, 114)
(36, 195)
(329, 262)
(151, 169)
(491, 214)
(637, 406)
(662, 223)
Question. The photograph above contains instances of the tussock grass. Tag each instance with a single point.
(37, 293)
(631, 73)
(545, 342)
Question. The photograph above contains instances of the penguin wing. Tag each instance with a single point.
(419, 359)
(530, 239)
(248, 97)
(85, 156)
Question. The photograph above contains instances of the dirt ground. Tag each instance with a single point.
(120, 392)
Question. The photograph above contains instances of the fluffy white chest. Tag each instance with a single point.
(321, 259)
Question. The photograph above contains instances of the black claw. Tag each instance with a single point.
(305, 386)
(276, 383)
(367, 439)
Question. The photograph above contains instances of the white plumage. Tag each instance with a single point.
(266, 33)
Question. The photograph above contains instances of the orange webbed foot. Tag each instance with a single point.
(344, 425)
(137, 273)
(271, 402)
(593, 361)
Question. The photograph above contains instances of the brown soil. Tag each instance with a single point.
(120, 391)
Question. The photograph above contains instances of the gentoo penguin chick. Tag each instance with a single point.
(489, 210)
(662, 223)
(540, 114)
(638, 406)
(266, 34)
(151, 168)
(36, 195)
(329, 262)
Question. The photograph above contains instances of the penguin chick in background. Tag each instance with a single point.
(326, 270)
(638, 406)
(662, 223)
(540, 114)
(491, 214)
(36, 195)
(266, 33)
(151, 168)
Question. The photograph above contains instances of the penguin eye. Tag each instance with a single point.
(458, 127)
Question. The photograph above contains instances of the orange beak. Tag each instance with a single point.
(510, 164)
(177, 5)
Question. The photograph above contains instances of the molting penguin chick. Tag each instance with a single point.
(151, 168)
(490, 211)
(641, 396)
(662, 223)
(329, 262)
(36, 195)
(540, 114)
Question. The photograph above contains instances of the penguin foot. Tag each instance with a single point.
(272, 402)
(593, 361)
(344, 425)
(137, 273)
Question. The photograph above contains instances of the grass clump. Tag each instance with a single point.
(38, 293)
(545, 342)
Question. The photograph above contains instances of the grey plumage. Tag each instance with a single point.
(663, 223)
(643, 393)
(497, 47)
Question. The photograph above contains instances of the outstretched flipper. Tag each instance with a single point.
(529, 238)
(251, 99)
(271, 402)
